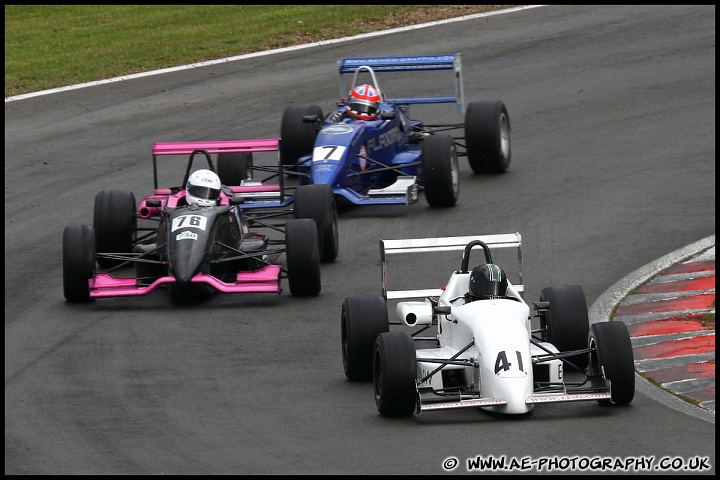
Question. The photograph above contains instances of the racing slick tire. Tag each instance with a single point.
(363, 318)
(297, 138)
(318, 202)
(566, 321)
(78, 262)
(115, 223)
(440, 171)
(303, 258)
(487, 137)
(395, 374)
(233, 168)
(612, 353)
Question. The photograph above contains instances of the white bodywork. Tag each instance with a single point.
(484, 345)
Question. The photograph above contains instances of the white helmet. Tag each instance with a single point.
(203, 188)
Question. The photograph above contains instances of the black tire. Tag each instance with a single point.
(613, 354)
(566, 322)
(297, 138)
(303, 258)
(318, 202)
(395, 374)
(440, 171)
(233, 168)
(363, 319)
(78, 262)
(487, 137)
(115, 224)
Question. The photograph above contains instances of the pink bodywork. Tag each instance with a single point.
(265, 280)
(220, 146)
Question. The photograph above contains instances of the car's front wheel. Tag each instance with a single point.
(612, 355)
(115, 224)
(394, 374)
(303, 257)
(78, 262)
(440, 171)
(318, 202)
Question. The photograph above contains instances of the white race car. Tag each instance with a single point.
(484, 352)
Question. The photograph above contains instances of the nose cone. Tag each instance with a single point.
(334, 150)
(189, 238)
(326, 173)
(186, 252)
(185, 266)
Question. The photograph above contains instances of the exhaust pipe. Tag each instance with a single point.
(415, 313)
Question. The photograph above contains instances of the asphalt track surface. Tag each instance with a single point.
(613, 117)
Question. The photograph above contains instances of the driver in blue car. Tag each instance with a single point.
(363, 104)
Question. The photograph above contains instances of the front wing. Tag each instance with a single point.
(403, 192)
(429, 403)
(265, 280)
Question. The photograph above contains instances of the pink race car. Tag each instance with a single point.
(218, 231)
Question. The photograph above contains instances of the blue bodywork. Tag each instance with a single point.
(359, 158)
(378, 161)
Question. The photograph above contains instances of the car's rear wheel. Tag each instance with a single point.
(440, 171)
(78, 262)
(318, 202)
(115, 224)
(566, 322)
(395, 374)
(297, 138)
(363, 319)
(233, 168)
(612, 354)
(303, 258)
(487, 136)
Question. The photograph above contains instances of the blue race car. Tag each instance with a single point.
(371, 152)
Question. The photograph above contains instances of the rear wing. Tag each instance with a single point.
(432, 245)
(371, 65)
(223, 146)
(211, 147)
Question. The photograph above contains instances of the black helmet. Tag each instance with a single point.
(488, 281)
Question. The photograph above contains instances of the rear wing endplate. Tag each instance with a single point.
(405, 64)
(431, 245)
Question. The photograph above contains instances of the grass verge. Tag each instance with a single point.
(50, 46)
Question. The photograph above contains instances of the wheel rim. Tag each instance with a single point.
(594, 367)
(334, 236)
(504, 136)
(454, 171)
(344, 344)
(377, 377)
